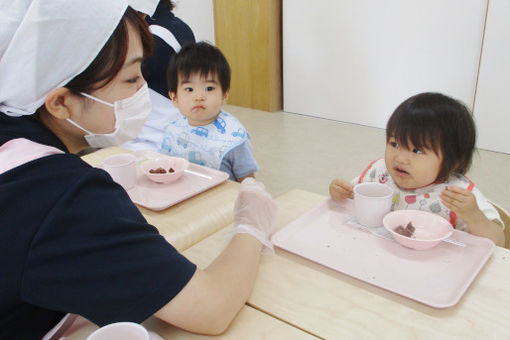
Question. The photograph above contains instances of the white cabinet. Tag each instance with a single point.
(492, 104)
(356, 60)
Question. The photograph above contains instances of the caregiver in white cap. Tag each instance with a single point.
(71, 241)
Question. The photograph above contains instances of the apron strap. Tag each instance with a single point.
(60, 329)
(19, 151)
(166, 35)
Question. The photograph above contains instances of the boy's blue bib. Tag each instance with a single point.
(204, 145)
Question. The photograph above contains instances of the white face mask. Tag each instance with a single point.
(130, 115)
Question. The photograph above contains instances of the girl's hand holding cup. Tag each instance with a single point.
(340, 189)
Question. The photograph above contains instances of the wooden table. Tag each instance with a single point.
(248, 324)
(332, 305)
(184, 225)
(192, 220)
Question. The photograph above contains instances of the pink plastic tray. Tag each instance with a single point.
(157, 196)
(437, 277)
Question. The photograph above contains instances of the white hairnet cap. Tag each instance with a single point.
(46, 43)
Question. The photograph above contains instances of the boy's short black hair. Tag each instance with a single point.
(202, 58)
(439, 123)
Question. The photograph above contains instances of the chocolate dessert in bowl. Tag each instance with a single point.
(417, 229)
(164, 169)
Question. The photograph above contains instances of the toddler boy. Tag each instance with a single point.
(199, 82)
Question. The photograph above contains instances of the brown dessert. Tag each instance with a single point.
(157, 171)
(407, 231)
(161, 171)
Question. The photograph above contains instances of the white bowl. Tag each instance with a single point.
(430, 228)
(177, 164)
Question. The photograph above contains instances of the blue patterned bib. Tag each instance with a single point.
(204, 145)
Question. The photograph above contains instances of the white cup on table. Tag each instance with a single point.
(371, 202)
(122, 168)
(120, 331)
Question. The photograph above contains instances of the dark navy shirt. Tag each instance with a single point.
(154, 67)
(72, 241)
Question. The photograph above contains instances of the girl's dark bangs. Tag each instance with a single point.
(420, 136)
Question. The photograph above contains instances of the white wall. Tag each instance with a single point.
(356, 60)
(492, 105)
(199, 15)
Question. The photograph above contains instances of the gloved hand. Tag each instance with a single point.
(255, 212)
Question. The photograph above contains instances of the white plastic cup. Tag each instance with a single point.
(371, 202)
(122, 168)
(120, 331)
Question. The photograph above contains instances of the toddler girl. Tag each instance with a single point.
(430, 140)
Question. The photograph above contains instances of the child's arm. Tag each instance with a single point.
(463, 203)
(340, 189)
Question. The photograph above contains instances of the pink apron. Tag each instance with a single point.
(17, 152)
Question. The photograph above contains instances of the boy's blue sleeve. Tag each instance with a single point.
(239, 162)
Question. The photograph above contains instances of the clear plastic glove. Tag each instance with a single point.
(255, 212)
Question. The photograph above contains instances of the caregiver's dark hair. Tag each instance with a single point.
(202, 58)
(171, 4)
(439, 123)
(112, 56)
(164, 5)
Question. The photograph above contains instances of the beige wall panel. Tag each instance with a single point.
(249, 34)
